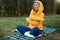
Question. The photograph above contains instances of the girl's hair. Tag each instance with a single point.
(36, 1)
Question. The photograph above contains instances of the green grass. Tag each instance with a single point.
(7, 24)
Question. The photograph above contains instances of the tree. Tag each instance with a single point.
(22, 7)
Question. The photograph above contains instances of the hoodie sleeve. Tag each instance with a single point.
(32, 21)
(41, 18)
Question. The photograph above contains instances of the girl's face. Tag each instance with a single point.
(36, 6)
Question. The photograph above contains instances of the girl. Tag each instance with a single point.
(35, 21)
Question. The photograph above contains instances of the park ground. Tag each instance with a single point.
(8, 24)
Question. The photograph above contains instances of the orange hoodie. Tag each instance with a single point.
(36, 19)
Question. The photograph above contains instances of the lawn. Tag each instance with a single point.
(7, 24)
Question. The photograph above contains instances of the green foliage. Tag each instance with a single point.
(49, 5)
(22, 7)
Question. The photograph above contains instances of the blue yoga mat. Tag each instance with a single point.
(22, 37)
(49, 30)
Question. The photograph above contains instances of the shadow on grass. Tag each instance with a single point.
(2, 35)
(52, 36)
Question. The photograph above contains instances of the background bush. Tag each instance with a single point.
(13, 8)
